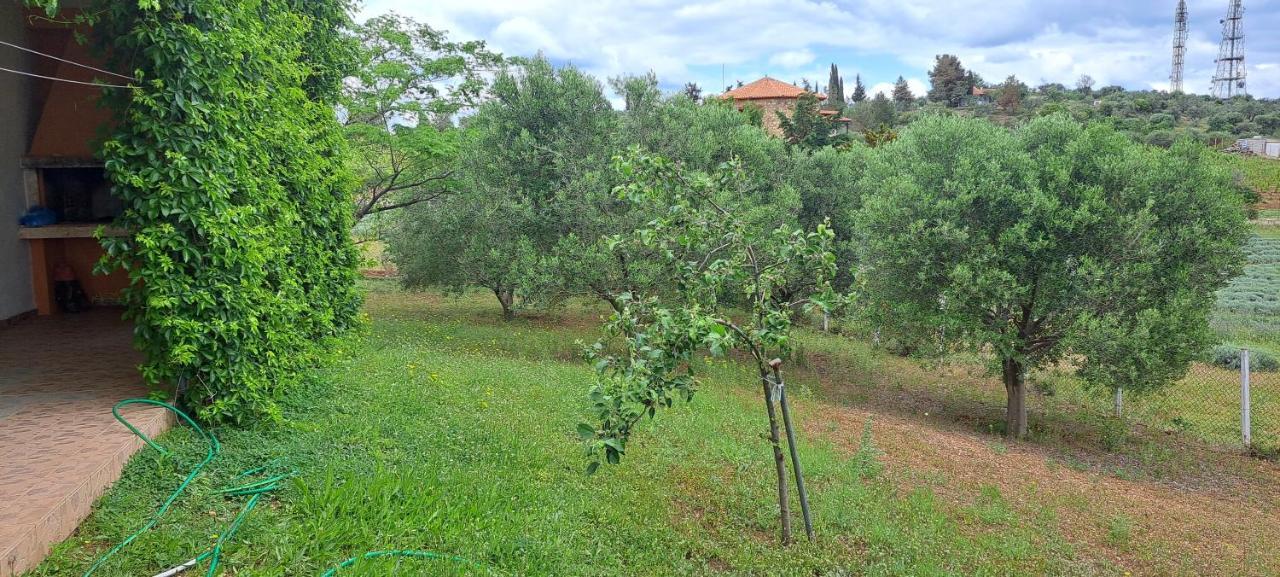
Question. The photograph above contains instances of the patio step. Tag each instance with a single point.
(60, 448)
(53, 509)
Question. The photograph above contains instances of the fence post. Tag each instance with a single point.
(1119, 402)
(1245, 425)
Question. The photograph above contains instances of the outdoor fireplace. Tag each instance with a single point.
(62, 173)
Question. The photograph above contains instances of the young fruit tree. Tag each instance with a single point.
(718, 262)
(1053, 243)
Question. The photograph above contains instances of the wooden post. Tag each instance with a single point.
(791, 445)
(779, 462)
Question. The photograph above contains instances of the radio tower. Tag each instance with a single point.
(1179, 46)
(1229, 80)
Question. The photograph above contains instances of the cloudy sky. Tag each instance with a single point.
(1124, 42)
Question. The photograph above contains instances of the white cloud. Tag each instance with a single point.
(792, 58)
(1116, 42)
(525, 35)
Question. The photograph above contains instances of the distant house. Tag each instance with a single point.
(842, 123)
(981, 95)
(1260, 145)
(773, 95)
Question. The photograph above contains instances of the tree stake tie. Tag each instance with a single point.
(775, 391)
(781, 394)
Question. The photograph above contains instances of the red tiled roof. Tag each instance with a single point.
(766, 88)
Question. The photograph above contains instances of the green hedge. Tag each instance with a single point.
(230, 164)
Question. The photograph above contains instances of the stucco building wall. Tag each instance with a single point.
(15, 133)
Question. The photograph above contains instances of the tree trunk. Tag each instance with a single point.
(1015, 386)
(506, 297)
(779, 461)
(609, 298)
(795, 453)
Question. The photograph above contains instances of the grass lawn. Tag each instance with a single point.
(443, 428)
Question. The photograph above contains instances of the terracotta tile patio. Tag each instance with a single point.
(59, 446)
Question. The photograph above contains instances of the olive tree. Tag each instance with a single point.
(701, 137)
(526, 163)
(717, 263)
(1053, 243)
(826, 182)
(466, 241)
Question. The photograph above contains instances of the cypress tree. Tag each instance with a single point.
(835, 92)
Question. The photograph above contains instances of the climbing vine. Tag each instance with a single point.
(228, 158)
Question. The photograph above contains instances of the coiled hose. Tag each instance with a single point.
(254, 489)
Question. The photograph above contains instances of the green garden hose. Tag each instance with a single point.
(254, 489)
(214, 447)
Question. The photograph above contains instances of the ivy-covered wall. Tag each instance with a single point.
(230, 163)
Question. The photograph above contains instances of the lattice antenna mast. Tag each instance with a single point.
(1179, 46)
(1229, 79)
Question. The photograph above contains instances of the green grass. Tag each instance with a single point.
(1204, 405)
(1119, 530)
(1260, 173)
(442, 428)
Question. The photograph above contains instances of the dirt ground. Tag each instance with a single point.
(1148, 527)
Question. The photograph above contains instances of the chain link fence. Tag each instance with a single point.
(1230, 403)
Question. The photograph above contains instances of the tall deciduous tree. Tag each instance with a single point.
(950, 85)
(1011, 95)
(411, 78)
(1085, 84)
(1054, 243)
